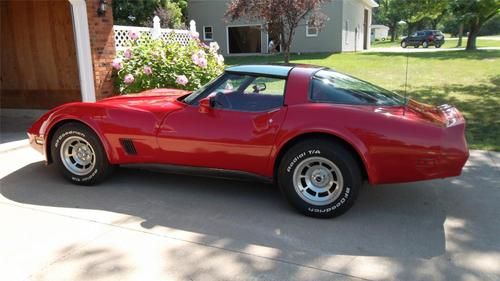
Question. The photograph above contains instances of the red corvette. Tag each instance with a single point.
(316, 132)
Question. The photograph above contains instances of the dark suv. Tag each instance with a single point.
(424, 38)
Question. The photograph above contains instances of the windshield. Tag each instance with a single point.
(193, 96)
(331, 86)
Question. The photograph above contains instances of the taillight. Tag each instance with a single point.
(430, 37)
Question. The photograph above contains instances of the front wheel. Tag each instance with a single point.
(78, 153)
(319, 178)
(403, 44)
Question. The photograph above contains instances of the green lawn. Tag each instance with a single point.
(449, 43)
(468, 80)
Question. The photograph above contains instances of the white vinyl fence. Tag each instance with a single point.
(182, 36)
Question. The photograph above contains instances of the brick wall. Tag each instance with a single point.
(102, 43)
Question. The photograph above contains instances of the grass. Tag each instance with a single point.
(449, 43)
(468, 80)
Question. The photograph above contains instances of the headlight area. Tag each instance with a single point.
(36, 142)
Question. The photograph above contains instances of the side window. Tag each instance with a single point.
(231, 84)
(327, 91)
(311, 30)
(208, 33)
(333, 87)
(266, 86)
(250, 93)
(262, 94)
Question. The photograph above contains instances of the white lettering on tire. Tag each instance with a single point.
(61, 136)
(300, 156)
(332, 208)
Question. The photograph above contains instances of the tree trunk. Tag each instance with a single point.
(473, 32)
(393, 33)
(460, 34)
(285, 49)
(435, 24)
(286, 54)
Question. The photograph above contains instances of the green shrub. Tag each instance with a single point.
(148, 64)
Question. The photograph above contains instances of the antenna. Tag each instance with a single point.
(406, 83)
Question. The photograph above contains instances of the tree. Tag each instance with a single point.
(141, 12)
(281, 17)
(416, 13)
(475, 14)
(388, 15)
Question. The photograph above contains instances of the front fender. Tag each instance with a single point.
(75, 113)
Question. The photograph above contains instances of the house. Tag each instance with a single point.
(379, 32)
(55, 51)
(347, 30)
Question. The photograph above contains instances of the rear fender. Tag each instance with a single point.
(347, 138)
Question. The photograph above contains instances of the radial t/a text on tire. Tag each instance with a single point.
(78, 153)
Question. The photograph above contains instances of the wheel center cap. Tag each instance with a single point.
(319, 177)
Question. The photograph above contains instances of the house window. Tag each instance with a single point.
(208, 33)
(311, 31)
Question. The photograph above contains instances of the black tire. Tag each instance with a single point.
(404, 44)
(425, 44)
(437, 45)
(78, 134)
(310, 151)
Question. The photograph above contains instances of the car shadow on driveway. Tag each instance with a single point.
(391, 221)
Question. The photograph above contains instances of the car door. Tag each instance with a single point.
(236, 134)
(420, 37)
(412, 38)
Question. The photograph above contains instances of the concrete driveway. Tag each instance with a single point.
(142, 225)
(431, 49)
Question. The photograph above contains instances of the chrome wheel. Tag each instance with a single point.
(77, 155)
(318, 181)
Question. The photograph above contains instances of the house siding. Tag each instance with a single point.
(328, 38)
(332, 38)
(353, 14)
(211, 13)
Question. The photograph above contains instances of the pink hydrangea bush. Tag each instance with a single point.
(147, 64)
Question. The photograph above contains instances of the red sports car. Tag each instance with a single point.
(316, 132)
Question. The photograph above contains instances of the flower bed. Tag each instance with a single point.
(149, 63)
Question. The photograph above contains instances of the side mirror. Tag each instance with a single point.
(258, 87)
(206, 105)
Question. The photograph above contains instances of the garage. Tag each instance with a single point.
(54, 52)
(244, 39)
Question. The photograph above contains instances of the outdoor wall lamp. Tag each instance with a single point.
(101, 9)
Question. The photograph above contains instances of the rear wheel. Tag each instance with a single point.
(437, 45)
(319, 178)
(79, 155)
(425, 44)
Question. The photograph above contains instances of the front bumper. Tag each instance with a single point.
(37, 142)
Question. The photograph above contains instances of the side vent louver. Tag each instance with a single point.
(128, 146)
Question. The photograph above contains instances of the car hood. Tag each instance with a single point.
(148, 100)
